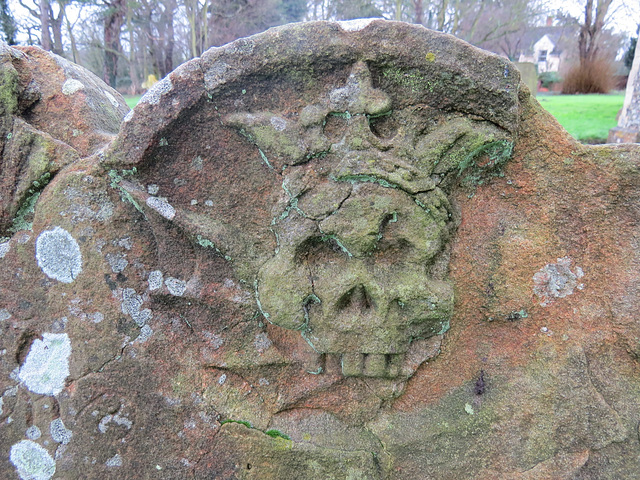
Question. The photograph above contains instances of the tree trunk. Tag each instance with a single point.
(56, 29)
(417, 5)
(170, 37)
(133, 68)
(113, 22)
(442, 15)
(45, 38)
(591, 29)
(72, 38)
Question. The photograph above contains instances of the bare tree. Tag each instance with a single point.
(591, 29)
(50, 24)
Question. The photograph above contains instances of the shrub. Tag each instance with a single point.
(549, 78)
(594, 76)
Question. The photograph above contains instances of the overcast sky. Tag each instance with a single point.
(624, 15)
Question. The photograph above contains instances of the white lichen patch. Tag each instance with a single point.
(126, 243)
(117, 262)
(132, 305)
(215, 341)
(59, 451)
(356, 25)
(33, 433)
(262, 342)
(116, 418)
(153, 189)
(58, 255)
(175, 286)
(46, 367)
(153, 95)
(72, 86)
(216, 75)
(23, 238)
(111, 99)
(162, 207)
(87, 207)
(115, 461)
(145, 334)
(96, 317)
(556, 280)
(32, 461)
(278, 123)
(155, 280)
(60, 433)
(4, 314)
(4, 248)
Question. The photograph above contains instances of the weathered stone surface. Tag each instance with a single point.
(53, 113)
(332, 250)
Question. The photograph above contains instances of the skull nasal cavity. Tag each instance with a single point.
(358, 298)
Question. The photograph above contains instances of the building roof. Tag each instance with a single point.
(561, 36)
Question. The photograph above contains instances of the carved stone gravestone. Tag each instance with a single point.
(332, 250)
(628, 129)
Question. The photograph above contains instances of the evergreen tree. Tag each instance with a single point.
(7, 23)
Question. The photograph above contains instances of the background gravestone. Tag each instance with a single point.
(332, 250)
(628, 129)
(529, 76)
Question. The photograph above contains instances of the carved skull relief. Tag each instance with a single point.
(356, 283)
(363, 226)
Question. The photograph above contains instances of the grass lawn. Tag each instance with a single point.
(585, 117)
(132, 100)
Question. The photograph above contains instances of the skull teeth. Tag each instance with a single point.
(377, 365)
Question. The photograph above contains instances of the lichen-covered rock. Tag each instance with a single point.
(332, 250)
(52, 113)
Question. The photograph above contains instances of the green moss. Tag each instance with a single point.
(241, 422)
(257, 295)
(8, 91)
(513, 316)
(21, 220)
(24, 216)
(366, 178)
(116, 178)
(265, 159)
(206, 243)
(411, 79)
(273, 433)
(497, 154)
(343, 115)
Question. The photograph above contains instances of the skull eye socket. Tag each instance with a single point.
(384, 126)
(320, 249)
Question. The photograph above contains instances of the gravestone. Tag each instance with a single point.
(628, 129)
(529, 76)
(332, 250)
